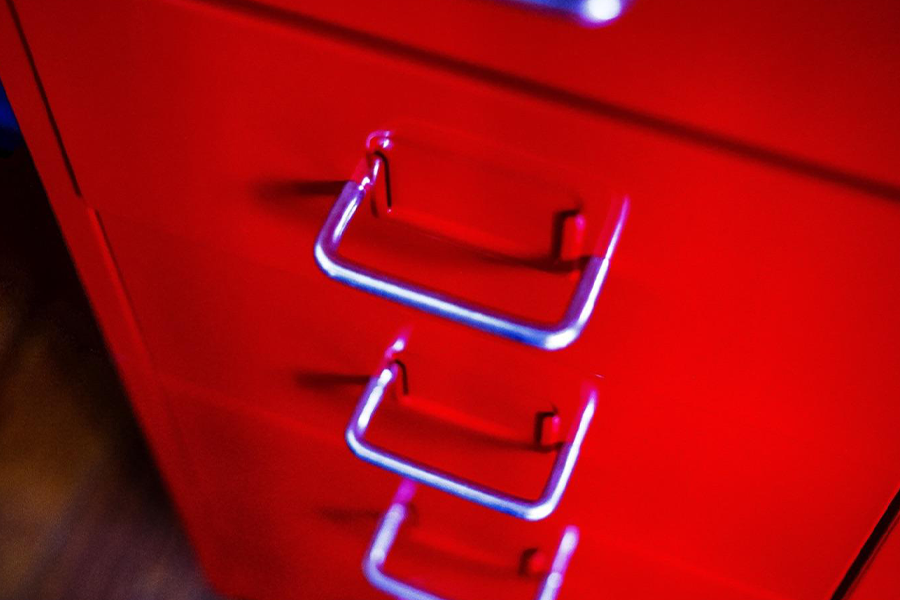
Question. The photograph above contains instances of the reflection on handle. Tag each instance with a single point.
(548, 337)
(590, 12)
(386, 534)
(519, 507)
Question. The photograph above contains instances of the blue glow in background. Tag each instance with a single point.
(9, 129)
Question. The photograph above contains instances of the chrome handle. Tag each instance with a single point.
(386, 534)
(518, 507)
(590, 12)
(548, 337)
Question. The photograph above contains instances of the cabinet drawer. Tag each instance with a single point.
(294, 514)
(806, 84)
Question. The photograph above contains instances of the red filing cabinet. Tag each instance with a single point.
(716, 189)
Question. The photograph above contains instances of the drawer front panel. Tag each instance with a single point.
(747, 334)
(809, 84)
(301, 511)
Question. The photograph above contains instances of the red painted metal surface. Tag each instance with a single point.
(881, 574)
(748, 335)
(804, 83)
(322, 507)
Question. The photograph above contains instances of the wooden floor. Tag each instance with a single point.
(83, 514)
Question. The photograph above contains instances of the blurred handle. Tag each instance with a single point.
(386, 534)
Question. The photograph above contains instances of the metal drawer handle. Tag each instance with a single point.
(548, 337)
(535, 510)
(386, 534)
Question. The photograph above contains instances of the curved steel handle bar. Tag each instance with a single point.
(386, 534)
(518, 507)
(548, 337)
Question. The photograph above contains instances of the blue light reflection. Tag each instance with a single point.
(596, 12)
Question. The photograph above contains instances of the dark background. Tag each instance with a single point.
(83, 513)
